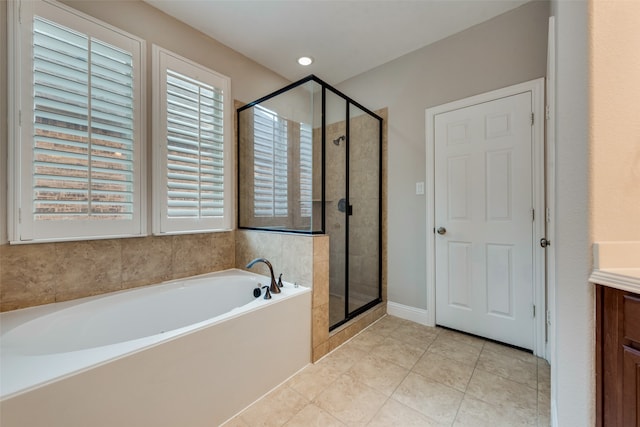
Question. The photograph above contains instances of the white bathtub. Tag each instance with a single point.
(190, 352)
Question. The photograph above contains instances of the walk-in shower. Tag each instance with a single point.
(310, 161)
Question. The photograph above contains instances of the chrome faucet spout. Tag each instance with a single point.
(274, 286)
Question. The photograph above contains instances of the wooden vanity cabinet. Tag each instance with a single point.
(617, 358)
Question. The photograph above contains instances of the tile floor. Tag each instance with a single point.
(399, 373)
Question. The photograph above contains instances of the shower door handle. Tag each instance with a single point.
(343, 207)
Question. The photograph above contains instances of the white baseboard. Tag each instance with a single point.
(406, 312)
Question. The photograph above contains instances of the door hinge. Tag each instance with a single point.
(19, 118)
(548, 215)
(533, 118)
(548, 318)
(534, 310)
(19, 215)
(533, 214)
(547, 112)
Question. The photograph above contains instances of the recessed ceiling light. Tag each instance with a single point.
(305, 60)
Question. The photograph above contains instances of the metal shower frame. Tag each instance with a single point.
(348, 103)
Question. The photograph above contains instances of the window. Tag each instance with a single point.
(270, 160)
(306, 170)
(76, 137)
(191, 146)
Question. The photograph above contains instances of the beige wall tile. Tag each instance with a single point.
(252, 244)
(27, 275)
(320, 324)
(146, 260)
(223, 251)
(321, 248)
(192, 254)
(320, 351)
(320, 283)
(296, 263)
(88, 268)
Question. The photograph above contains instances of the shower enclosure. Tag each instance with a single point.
(310, 161)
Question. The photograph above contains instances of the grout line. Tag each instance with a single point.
(464, 395)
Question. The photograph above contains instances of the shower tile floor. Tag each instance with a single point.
(399, 373)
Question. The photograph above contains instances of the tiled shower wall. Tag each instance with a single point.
(52, 272)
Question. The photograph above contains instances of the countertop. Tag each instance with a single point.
(617, 265)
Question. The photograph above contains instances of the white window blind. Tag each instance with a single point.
(195, 145)
(83, 126)
(191, 146)
(306, 169)
(76, 168)
(270, 164)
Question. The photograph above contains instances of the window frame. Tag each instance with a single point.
(162, 60)
(22, 227)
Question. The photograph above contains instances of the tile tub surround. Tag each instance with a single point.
(399, 373)
(43, 273)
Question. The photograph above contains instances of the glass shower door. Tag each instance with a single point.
(364, 211)
(352, 209)
(335, 149)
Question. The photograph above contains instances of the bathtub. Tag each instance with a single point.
(189, 352)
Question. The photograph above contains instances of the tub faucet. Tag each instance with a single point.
(274, 286)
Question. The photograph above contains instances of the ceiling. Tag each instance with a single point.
(345, 37)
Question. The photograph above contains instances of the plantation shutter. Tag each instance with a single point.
(83, 126)
(306, 169)
(270, 163)
(191, 146)
(195, 148)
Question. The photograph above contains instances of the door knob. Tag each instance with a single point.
(442, 230)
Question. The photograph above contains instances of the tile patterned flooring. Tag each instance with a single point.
(399, 373)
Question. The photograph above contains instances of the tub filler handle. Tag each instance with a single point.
(274, 286)
(267, 294)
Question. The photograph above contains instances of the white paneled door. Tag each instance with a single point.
(484, 219)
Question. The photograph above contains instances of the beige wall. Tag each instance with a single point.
(614, 116)
(503, 51)
(248, 79)
(42, 273)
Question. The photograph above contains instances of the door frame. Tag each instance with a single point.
(536, 87)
